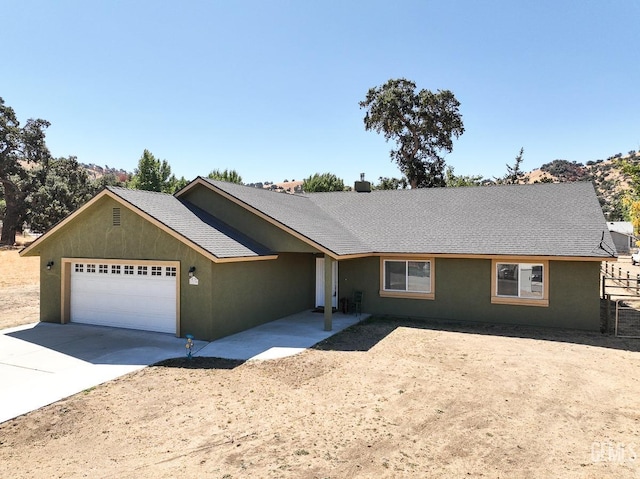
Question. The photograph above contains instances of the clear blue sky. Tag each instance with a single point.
(271, 88)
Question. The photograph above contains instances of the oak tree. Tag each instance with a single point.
(387, 183)
(22, 148)
(422, 124)
(62, 187)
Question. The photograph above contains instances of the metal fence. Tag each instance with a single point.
(618, 282)
(627, 319)
(620, 291)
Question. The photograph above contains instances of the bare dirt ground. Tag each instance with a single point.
(387, 398)
(19, 288)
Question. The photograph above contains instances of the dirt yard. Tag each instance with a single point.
(386, 398)
(19, 289)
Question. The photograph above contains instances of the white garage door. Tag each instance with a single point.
(135, 296)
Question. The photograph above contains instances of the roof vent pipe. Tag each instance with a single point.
(362, 186)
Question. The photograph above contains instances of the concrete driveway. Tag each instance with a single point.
(42, 363)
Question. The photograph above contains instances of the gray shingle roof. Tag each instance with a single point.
(534, 220)
(194, 224)
(299, 213)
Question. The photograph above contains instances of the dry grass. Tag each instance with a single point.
(19, 288)
(17, 271)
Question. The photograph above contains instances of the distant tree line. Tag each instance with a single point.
(40, 190)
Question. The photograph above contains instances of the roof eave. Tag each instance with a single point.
(119, 199)
(504, 256)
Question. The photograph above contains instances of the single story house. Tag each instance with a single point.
(217, 258)
(622, 236)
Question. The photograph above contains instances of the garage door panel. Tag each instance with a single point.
(129, 321)
(125, 290)
(123, 304)
(136, 301)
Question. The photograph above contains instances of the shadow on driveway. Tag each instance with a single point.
(46, 362)
(95, 344)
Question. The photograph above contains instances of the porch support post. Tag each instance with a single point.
(328, 292)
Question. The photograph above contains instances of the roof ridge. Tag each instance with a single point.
(150, 192)
(221, 183)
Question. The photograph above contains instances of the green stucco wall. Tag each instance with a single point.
(229, 297)
(250, 293)
(463, 293)
(91, 235)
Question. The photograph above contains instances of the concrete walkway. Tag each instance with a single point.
(42, 363)
(280, 338)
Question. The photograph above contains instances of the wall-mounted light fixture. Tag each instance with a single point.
(49, 264)
(192, 270)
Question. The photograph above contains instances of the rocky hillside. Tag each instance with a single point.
(97, 171)
(606, 175)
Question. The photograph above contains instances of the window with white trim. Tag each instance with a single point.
(142, 270)
(128, 269)
(115, 269)
(170, 271)
(406, 276)
(156, 271)
(91, 268)
(103, 269)
(79, 268)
